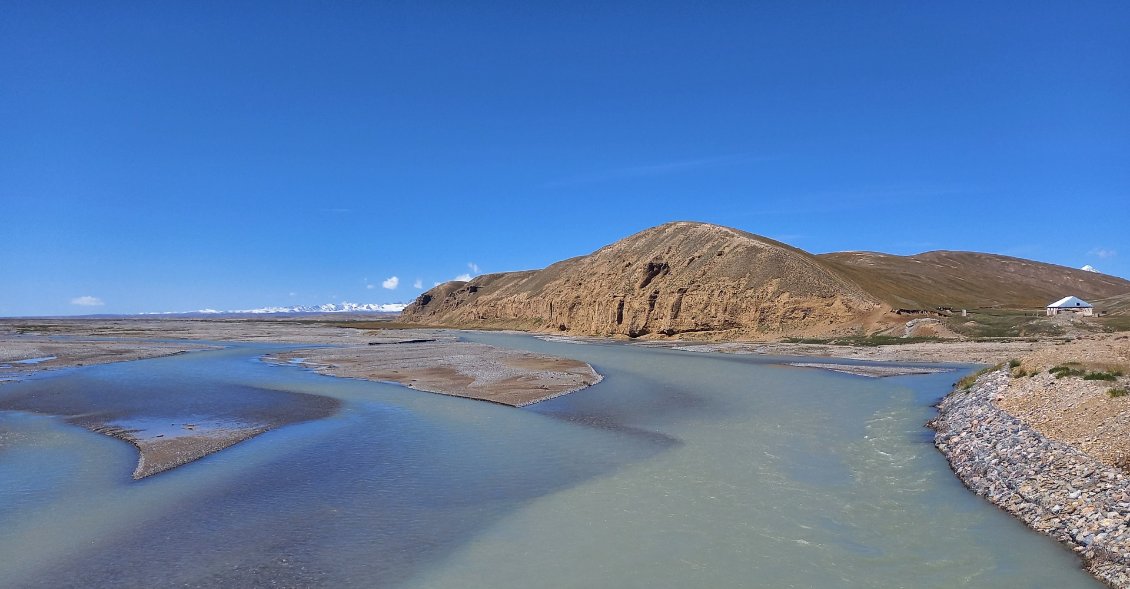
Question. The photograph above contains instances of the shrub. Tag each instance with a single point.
(1065, 370)
(966, 382)
(1118, 393)
(1019, 373)
(1102, 375)
(1013, 363)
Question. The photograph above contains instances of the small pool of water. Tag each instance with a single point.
(34, 360)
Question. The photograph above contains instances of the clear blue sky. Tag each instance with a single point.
(172, 156)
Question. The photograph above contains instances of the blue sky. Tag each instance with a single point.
(175, 156)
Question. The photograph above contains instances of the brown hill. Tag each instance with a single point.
(676, 278)
(687, 277)
(969, 280)
(1116, 305)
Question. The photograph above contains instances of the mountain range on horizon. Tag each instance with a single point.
(343, 307)
(689, 277)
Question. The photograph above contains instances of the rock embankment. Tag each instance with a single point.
(1051, 486)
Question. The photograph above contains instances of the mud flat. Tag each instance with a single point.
(432, 360)
(158, 452)
(1051, 486)
(870, 370)
(22, 355)
(955, 351)
(450, 367)
(312, 330)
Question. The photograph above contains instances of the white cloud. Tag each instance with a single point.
(87, 301)
(462, 277)
(293, 294)
(372, 286)
(1103, 252)
(418, 284)
(1089, 268)
(435, 284)
(474, 267)
(391, 282)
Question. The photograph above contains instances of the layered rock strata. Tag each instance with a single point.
(703, 281)
(676, 278)
(1050, 486)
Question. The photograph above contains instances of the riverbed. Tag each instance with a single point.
(678, 469)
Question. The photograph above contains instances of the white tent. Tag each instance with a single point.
(1071, 305)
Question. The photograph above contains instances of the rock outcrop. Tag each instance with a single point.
(673, 279)
(685, 278)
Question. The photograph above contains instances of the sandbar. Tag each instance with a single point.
(451, 367)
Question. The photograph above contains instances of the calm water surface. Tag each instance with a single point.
(679, 470)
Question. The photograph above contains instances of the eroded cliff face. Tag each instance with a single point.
(673, 279)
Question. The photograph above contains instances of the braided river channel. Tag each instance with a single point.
(680, 469)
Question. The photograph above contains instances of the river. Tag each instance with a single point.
(680, 469)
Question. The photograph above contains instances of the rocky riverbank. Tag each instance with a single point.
(1053, 487)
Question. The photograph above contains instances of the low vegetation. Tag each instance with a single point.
(1003, 323)
(1113, 323)
(1076, 369)
(966, 382)
(1066, 369)
(1015, 370)
(862, 340)
(1116, 392)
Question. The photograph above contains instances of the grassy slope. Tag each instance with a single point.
(970, 280)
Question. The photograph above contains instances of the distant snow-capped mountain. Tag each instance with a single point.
(326, 308)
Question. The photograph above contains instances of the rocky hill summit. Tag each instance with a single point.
(675, 278)
(687, 277)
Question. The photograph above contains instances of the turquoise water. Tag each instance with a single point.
(679, 469)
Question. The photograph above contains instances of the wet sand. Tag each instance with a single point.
(870, 371)
(206, 420)
(962, 352)
(23, 355)
(461, 369)
(161, 452)
(429, 360)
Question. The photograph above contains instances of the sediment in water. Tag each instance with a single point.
(1052, 487)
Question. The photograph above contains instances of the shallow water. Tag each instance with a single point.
(679, 469)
